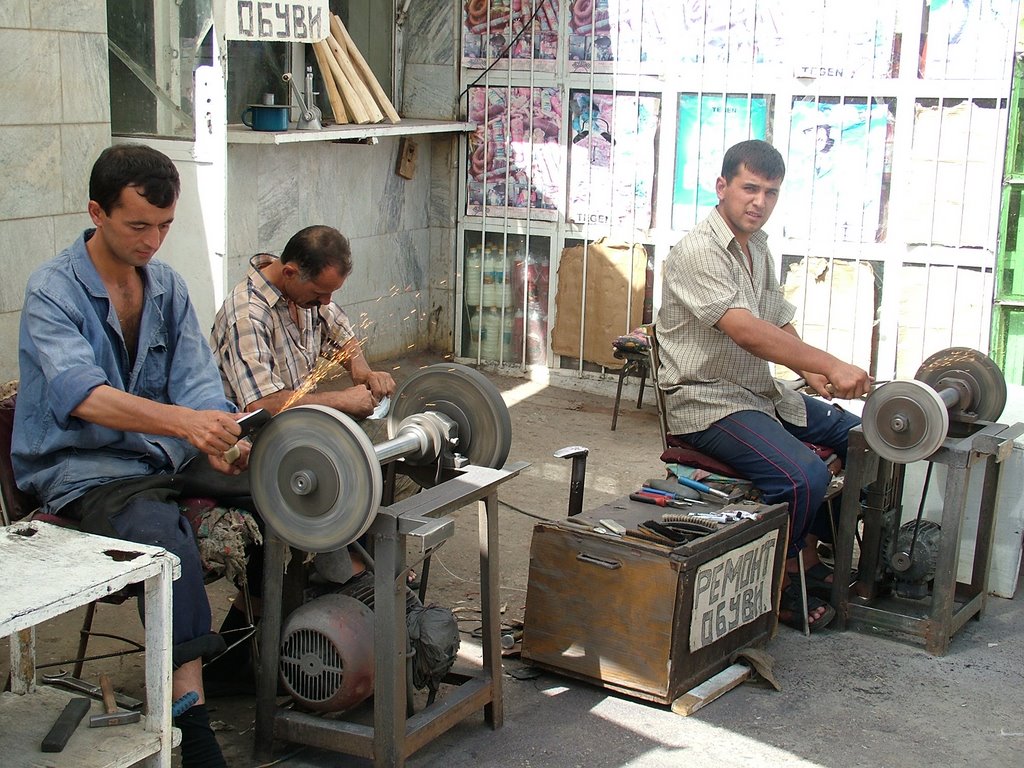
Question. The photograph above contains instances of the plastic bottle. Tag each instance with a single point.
(518, 329)
(536, 334)
(471, 276)
(471, 333)
(491, 333)
(491, 268)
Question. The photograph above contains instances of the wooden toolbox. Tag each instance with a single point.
(647, 619)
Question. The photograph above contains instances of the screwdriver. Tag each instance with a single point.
(661, 501)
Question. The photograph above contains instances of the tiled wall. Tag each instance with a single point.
(274, 191)
(54, 120)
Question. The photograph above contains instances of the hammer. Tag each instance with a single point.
(111, 714)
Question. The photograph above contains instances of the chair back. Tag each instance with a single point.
(659, 396)
(15, 504)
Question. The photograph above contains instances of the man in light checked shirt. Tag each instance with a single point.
(723, 319)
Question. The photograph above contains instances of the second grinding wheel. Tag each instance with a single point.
(466, 397)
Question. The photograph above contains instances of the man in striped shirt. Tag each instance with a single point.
(279, 324)
(275, 335)
(723, 319)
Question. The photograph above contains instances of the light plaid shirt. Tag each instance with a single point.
(260, 349)
(705, 375)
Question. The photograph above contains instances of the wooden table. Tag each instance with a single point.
(46, 571)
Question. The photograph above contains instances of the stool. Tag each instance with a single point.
(636, 364)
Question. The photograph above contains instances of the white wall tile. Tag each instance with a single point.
(85, 79)
(24, 245)
(9, 322)
(30, 157)
(79, 16)
(67, 228)
(431, 31)
(15, 13)
(30, 62)
(430, 91)
(80, 146)
(277, 196)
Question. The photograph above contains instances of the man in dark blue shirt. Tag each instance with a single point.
(119, 390)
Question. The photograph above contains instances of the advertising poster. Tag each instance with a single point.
(838, 39)
(522, 34)
(515, 164)
(731, 33)
(620, 35)
(966, 39)
(704, 132)
(612, 148)
(834, 171)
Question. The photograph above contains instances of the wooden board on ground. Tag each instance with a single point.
(710, 689)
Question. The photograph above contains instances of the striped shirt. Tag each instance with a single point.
(705, 375)
(260, 349)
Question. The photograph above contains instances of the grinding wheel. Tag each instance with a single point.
(905, 421)
(466, 397)
(316, 480)
(972, 370)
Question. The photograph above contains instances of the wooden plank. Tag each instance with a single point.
(354, 80)
(710, 689)
(323, 55)
(383, 101)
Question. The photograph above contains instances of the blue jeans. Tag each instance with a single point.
(159, 523)
(772, 455)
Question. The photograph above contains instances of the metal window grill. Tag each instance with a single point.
(605, 121)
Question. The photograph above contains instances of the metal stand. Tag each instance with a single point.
(393, 736)
(932, 621)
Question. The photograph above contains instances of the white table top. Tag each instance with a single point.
(47, 570)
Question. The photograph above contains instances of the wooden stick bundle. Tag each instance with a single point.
(353, 91)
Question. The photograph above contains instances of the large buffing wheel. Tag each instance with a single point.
(905, 421)
(466, 397)
(316, 480)
(975, 373)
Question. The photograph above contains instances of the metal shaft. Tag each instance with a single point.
(408, 442)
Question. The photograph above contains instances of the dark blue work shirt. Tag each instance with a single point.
(70, 343)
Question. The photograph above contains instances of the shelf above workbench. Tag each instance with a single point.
(408, 126)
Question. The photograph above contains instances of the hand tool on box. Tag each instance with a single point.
(702, 487)
(661, 501)
(65, 725)
(667, 494)
(613, 525)
(111, 714)
(64, 680)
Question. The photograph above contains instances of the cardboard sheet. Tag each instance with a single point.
(616, 274)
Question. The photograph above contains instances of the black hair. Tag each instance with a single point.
(757, 156)
(133, 165)
(314, 248)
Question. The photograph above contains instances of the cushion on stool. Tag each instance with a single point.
(681, 452)
(634, 341)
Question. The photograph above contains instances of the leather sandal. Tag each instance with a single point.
(791, 608)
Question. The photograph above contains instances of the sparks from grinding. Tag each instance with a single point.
(328, 365)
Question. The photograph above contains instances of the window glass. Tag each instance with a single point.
(155, 47)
